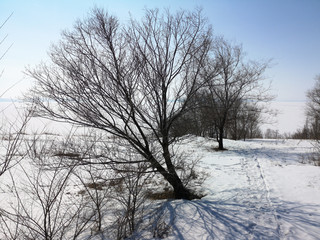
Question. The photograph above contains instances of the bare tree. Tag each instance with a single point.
(131, 81)
(272, 134)
(311, 128)
(313, 111)
(198, 119)
(244, 121)
(231, 80)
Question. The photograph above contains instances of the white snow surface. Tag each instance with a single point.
(257, 189)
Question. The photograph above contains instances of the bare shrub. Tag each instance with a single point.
(13, 133)
(42, 209)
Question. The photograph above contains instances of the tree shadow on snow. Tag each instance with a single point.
(207, 219)
(298, 219)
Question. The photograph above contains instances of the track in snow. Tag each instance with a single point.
(259, 193)
(245, 198)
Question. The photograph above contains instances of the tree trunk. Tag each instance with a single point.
(180, 191)
(220, 140)
(170, 175)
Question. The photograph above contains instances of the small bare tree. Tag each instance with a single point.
(131, 199)
(98, 194)
(244, 121)
(12, 139)
(231, 80)
(313, 111)
(132, 81)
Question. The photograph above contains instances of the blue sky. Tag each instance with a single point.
(287, 31)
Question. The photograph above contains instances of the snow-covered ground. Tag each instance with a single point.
(258, 189)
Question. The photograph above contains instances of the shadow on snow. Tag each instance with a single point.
(207, 219)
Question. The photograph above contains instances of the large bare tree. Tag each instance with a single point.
(132, 81)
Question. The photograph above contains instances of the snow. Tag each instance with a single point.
(256, 189)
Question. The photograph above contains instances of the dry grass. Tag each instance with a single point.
(165, 194)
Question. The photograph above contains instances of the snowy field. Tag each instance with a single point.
(257, 189)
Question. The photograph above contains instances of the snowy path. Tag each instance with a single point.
(294, 189)
(246, 195)
(258, 194)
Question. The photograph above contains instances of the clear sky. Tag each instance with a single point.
(287, 31)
